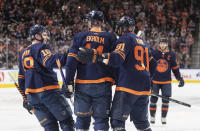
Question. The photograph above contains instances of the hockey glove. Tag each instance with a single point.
(27, 106)
(71, 86)
(86, 55)
(181, 82)
(65, 90)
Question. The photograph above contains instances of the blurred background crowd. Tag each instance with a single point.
(175, 19)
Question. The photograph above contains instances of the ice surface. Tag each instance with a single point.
(13, 117)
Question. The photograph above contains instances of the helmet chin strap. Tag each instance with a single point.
(42, 39)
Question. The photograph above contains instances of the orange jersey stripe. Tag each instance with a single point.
(152, 109)
(132, 91)
(21, 76)
(120, 53)
(95, 81)
(73, 55)
(176, 67)
(84, 113)
(150, 58)
(28, 90)
(166, 109)
(161, 82)
(45, 59)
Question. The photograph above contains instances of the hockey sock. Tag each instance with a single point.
(153, 108)
(165, 107)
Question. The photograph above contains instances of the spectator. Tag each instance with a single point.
(65, 18)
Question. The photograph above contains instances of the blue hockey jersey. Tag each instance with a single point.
(95, 73)
(36, 68)
(166, 61)
(132, 56)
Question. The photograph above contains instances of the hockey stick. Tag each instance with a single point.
(139, 34)
(62, 75)
(20, 91)
(170, 99)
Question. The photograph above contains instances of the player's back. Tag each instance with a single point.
(91, 78)
(134, 72)
(35, 73)
(104, 42)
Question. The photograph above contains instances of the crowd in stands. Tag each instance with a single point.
(174, 19)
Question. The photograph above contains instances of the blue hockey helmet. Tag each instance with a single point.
(95, 16)
(125, 24)
(36, 29)
(127, 21)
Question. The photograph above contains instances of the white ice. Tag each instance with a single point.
(13, 117)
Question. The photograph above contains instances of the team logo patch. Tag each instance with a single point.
(162, 65)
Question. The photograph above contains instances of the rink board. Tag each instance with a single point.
(189, 75)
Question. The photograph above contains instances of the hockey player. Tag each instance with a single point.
(166, 61)
(132, 91)
(93, 81)
(39, 82)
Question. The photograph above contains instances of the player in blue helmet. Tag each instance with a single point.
(161, 80)
(36, 29)
(39, 83)
(40, 30)
(135, 63)
(125, 25)
(93, 81)
(95, 18)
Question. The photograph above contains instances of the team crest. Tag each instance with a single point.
(162, 65)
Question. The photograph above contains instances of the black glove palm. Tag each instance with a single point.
(86, 55)
(65, 90)
(27, 106)
(181, 82)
